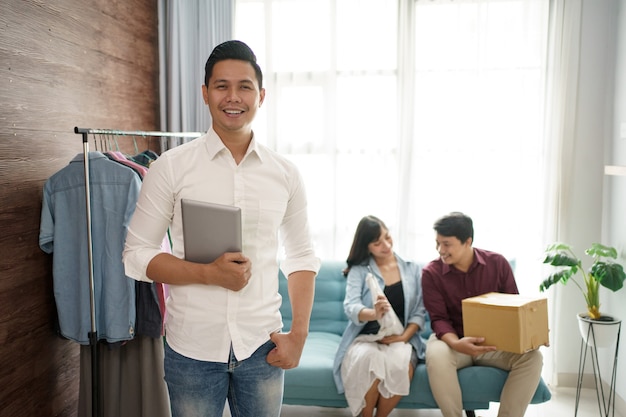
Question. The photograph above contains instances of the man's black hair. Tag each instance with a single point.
(232, 50)
(455, 224)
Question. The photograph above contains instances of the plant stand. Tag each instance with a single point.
(606, 406)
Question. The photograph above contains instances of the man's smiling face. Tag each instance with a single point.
(233, 97)
(452, 251)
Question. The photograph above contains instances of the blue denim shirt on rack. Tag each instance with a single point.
(114, 190)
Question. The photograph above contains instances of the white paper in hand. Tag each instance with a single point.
(389, 322)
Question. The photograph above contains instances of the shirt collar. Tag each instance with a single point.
(478, 259)
(373, 266)
(215, 146)
(93, 155)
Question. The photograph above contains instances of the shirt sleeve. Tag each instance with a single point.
(417, 311)
(435, 302)
(150, 221)
(356, 292)
(46, 226)
(299, 253)
(507, 283)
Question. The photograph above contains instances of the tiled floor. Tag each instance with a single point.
(561, 405)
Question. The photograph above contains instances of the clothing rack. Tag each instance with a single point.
(93, 335)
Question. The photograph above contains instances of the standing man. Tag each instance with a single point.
(462, 271)
(223, 325)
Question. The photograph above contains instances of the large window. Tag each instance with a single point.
(408, 110)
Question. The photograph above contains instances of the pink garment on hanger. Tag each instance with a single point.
(121, 158)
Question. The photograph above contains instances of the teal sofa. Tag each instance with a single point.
(311, 383)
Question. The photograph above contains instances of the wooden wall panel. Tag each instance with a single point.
(63, 63)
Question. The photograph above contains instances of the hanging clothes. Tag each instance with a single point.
(145, 158)
(63, 233)
(150, 297)
(132, 377)
(122, 159)
(129, 320)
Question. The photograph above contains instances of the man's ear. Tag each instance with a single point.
(205, 94)
(261, 96)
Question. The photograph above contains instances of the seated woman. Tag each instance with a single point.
(372, 368)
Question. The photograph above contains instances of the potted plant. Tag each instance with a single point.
(603, 272)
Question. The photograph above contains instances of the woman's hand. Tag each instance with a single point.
(408, 333)
(381, 306)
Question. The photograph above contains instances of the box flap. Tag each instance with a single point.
(502, 300)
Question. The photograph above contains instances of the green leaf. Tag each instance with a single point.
(560, 276)
(610, 275)
(598, 250)
(560, 259)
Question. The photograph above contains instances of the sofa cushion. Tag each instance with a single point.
(330, 290)
(312, 383)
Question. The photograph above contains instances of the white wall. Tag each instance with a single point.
(596, 204)
(616, 186)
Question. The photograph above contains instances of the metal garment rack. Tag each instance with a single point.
(93, 335)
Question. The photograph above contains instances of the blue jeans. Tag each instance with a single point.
(252, 387)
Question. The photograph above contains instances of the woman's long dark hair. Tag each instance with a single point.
(369, 230)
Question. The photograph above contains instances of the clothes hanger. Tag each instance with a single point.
(95, 142)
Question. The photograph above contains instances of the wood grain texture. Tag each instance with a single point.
(66, 63)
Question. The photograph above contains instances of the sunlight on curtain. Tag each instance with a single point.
(479, 76)
(334, 90)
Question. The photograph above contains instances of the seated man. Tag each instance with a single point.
(462, 271)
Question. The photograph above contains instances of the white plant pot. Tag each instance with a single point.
(603, 333)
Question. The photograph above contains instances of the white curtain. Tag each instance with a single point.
(561, 106)
(478, 124)
(409, 110)
(188, 32)
(561, 102)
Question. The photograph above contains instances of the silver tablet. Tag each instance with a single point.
(210, 230)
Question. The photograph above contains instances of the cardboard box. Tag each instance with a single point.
(511, 322)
